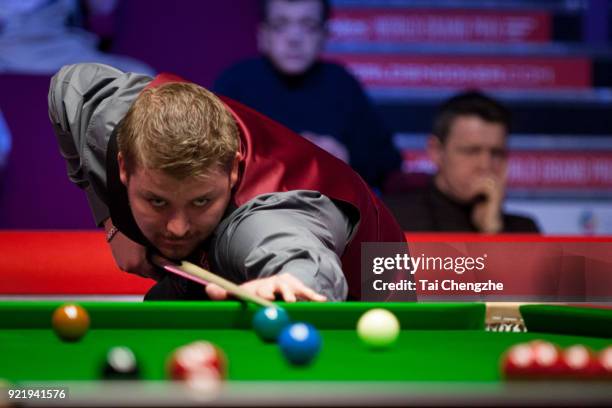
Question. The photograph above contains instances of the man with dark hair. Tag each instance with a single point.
(317, 99)
(469, 148)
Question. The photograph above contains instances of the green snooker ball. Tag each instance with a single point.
(378, 328)
(268, 322)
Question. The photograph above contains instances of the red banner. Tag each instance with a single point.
(534, 269)
(561, 271)
(410, 25)
(404, 71)
(541, 169)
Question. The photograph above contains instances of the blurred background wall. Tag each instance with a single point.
(550, 61)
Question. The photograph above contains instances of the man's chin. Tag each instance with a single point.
(462, 198)
(292, 68)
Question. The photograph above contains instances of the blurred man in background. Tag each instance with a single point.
(317, 99)
(469, 148)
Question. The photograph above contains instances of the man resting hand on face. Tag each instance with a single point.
(469, 148)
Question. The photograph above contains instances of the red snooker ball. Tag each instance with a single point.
(199, 360)
(518, 362)
(582, 363)
(605, 361)
(548, 362)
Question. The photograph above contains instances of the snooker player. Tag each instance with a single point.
(169, 167)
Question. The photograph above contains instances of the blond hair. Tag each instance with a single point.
(179, 128)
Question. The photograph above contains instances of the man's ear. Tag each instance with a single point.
(235, 169)
(435, 150)
(123, 174)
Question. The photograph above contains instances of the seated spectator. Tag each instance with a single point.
(317, 99)
(40, 36)
(469, 148)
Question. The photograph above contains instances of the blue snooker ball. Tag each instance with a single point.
(300, 343)
(269, 322)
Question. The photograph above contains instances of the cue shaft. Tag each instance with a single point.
(231, 287)
(204, 277)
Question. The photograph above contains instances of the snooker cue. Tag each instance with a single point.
(200, 275)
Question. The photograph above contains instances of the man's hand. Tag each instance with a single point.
(487, 214)
(130, 256)
(289, 287)
(329, 144)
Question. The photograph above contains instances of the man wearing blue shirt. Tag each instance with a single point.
(319, 100)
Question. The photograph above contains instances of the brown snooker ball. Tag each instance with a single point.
(70, 322)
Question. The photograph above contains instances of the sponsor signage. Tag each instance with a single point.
(540, 169)
(457, 26)
(414, 71)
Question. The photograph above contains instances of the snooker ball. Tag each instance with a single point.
(605, 361)
(536, 360)
(547, 360)
(300, 343)
(120, 364)
(378, 328)
(200, 359)
(582, 363)
(268, 322)
(70, 322)
(518, 362)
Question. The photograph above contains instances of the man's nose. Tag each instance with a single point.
(485, 160)
(295, 33)
(178, 224)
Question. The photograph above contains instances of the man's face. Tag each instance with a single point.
(292, 35)
(177, 215)
(474, 149)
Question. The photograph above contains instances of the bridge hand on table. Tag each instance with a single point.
(289, 287)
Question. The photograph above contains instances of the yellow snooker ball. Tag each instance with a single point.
(378, 328)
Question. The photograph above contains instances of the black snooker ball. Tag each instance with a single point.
(120, 364)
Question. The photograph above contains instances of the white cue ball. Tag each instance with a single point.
(378, 328)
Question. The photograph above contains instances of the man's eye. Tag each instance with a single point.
(157, 202)
(499, 153)
(278, 25)
(200, 202)
(311, 26)
(470, 150)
